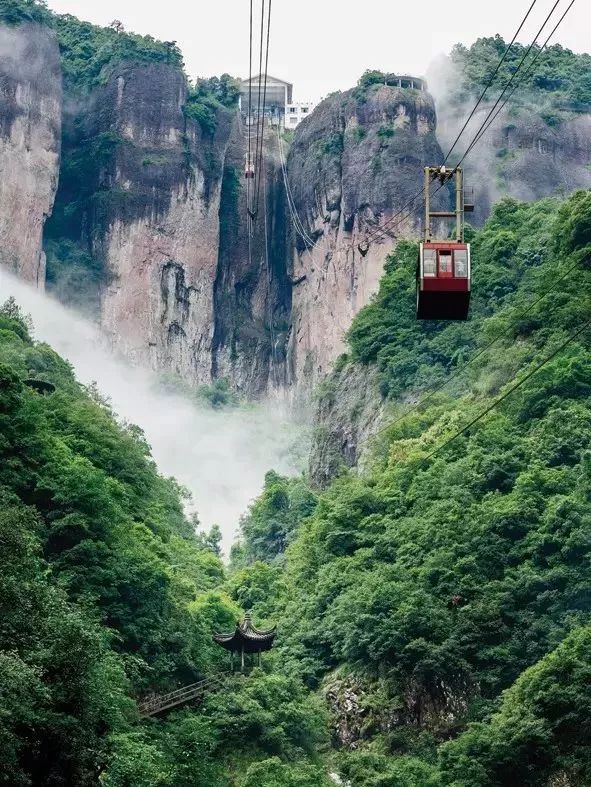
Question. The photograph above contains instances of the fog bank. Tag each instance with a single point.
(219, 456)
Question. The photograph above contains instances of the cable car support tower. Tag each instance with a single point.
(443, 271)
(444, 175)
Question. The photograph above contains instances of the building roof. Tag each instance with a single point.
(270, 78)
(246, 637)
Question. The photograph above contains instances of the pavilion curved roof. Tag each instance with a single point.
(247, 637)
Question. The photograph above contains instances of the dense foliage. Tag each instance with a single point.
(107, 594)
(560, 78)
(90, 52)
(451, 572)
(208, 97)
(16, 12)
(273, 519)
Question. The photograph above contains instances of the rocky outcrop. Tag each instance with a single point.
(189, 284)
(538, 157)
(349, 411)
(360, 709)
(30, 132)
(354, 164)
(347, 702)
(252, 297)
(196, 288)
(526, 154)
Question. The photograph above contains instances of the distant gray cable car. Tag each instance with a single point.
(249, 165)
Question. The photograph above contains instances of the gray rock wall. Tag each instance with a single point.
(158, 229)
(30, 133)
(524, 154)
(354, 164)
(253, 292)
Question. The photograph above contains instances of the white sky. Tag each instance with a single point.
(325, 45)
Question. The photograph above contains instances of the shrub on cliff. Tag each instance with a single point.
(15, 12)
(89, 52)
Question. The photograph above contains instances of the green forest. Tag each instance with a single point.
(433, 609)
(446, 589)
(448, 586)
(561, 79)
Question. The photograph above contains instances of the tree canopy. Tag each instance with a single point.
(453, 585)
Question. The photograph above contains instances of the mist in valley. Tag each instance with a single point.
(220, 456)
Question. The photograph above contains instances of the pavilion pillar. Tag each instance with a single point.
(231, 661)
(242, 660)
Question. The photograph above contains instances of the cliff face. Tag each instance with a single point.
(353, 165)
(30, 130)
(155, 220)
(349, 411)
(535, 159)
(183, 293)
(252, 295)
(163, 217)
(524, 154)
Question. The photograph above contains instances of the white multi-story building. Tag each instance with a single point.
(296, 112)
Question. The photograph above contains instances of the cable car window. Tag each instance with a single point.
(429, 262)
(461, 263)
(445, 263)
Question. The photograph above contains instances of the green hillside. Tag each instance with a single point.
(107, 596)
(448, 586)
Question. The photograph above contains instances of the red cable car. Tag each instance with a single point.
(443, 281)
(443, 270)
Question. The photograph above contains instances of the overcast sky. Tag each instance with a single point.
(325, 45)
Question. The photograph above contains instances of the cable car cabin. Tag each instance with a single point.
(249, 166)
(443, 281)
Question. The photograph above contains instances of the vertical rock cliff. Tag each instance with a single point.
(30, 131)
(155, 220)
(252, 297)
(156, 204)
(353, 165)
(524, 154)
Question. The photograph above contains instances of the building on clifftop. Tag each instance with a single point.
(279, 107)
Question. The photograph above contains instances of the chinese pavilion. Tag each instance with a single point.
(246, 639)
